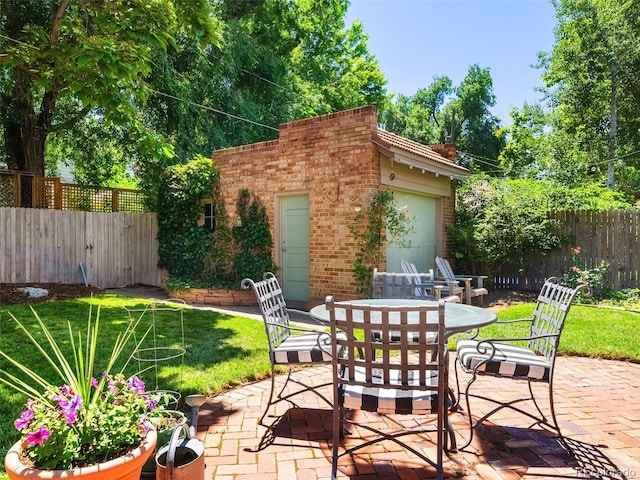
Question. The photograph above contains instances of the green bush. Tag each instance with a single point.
(499, 222)
(197, 257)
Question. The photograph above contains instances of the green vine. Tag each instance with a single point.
(374, 228)
(253, 239)
(183, 245)
(193, 255)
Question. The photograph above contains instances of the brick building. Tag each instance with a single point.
(314, 177)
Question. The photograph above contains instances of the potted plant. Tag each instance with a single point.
(89, 425)
(165, 422)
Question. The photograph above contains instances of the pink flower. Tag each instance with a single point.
(136, 384)
(94, 382)
(66, 390)
(70, 412)
(69, 407)
(38, 437)
(25, 420)
(575, 269)
(577, 250)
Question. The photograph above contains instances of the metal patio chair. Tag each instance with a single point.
(473, 284)
(534, 362)
(289, 345)
(405, 376)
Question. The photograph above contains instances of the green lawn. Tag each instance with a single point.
(226, 350)
(589, 331)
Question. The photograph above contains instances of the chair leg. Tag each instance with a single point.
(279, 397)
(338, 434)
(540, 420)
(270, 401)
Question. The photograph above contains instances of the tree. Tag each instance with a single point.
(460, 115)
(591, 75)
(85, 55)
(331, 67)
(474, 128)
(419, 117)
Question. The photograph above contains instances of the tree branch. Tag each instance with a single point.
(69, 122)
(57, 20)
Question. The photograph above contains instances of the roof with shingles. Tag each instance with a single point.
(393, 140)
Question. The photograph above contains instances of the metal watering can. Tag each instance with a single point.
(181, 459)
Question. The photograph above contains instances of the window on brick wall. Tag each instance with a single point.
(208, 216)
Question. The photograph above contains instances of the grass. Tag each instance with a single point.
(588, 331)
(226, 350)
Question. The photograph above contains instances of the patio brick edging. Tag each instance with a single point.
(221, 297)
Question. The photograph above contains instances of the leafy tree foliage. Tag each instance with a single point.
(309, 64)
(592, 124)
(441, 113)
(82, 55)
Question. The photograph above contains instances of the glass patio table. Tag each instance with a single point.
(457, 317)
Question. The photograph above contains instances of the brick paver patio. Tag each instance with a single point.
(597, 404)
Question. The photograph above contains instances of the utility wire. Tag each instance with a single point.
(231, 115)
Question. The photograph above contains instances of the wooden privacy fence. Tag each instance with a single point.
(611, 237)
(54, 246)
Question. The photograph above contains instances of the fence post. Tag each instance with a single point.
(114, 200)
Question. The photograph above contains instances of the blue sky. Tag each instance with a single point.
(416, 40)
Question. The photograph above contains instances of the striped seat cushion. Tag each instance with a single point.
(395, 336)
(302, 348)
(508, 361)
(389, 400)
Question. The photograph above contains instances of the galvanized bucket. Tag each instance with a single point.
(181, 459)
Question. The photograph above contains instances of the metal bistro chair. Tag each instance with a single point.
(407, 376)
(534, 362)
(287, 347)
(402, 285)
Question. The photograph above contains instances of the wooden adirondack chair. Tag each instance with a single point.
(473, 286)
(449, 290)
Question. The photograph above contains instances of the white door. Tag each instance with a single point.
(422, 251)
(295, 247)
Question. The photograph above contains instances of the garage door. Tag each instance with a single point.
(422, 252)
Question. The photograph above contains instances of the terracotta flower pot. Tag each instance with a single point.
(126, 467)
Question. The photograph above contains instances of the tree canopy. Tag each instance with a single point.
(62, 60)
(461, 115)
(157, 82)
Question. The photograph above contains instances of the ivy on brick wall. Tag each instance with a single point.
(253, 239)
(376, 226)
(183, 245)
(197, 257)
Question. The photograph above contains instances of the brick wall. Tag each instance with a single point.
(448, 150)
(333, 160)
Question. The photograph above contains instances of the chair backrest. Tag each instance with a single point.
(400, 285)
(395, 347)
(418, 278)
(444, 267)
(549, 315)
(272, 306)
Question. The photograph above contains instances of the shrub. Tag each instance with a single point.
(579, 274)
